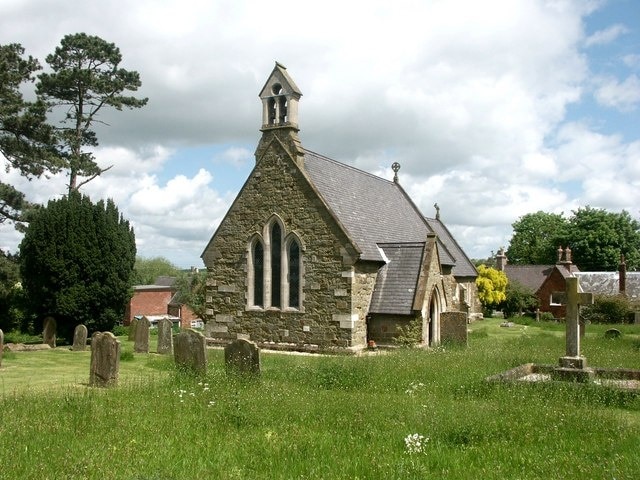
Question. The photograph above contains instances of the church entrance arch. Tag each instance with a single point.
(431, 318)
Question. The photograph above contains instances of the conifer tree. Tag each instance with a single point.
(76, 263)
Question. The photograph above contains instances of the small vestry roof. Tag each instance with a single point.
(372, 209)
(397, 279)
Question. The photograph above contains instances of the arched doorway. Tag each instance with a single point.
(431, 319)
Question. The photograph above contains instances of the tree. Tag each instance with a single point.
(492, 286)
(76, 263)
(598, 238)
(518, 299)
(26, 140)
(146, 270)
(535, 238)
(86, 78)
(191, 291)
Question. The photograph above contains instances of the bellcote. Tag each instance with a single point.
(280, 96)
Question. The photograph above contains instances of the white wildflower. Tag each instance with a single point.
(415, 443)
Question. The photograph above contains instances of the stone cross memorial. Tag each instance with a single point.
(573, 300)
(80, 338)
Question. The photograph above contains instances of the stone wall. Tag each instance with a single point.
(384, 329)
(329, 316)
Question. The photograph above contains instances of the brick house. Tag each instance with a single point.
(158, 299)
(315, 254)
(543, 280)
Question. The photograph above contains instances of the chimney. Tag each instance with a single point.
(501, 260)
(564, 256)
(622, 276)
(567, 255)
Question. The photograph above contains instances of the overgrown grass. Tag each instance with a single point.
(327, 417)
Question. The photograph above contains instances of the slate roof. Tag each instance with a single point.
(372, 210)
(533, 276)
(530, 276)
(608, 283)
(376, 211)
(397, 279)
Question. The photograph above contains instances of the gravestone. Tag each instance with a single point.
(165, 337)
(573, 366)
(453, 327)
(612, 333)
(242, 357)
(79, 339)
(141, 340)
(132, 329)
(49, 331)
(105, 360)
(190, 351)
(1, 346)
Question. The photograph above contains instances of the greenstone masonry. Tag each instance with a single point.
(335, 290)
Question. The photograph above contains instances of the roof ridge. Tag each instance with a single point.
(346, 165)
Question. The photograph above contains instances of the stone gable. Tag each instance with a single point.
(277, 186)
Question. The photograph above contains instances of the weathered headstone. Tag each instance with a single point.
(1, 346)
(49, 328)
(141, 341)
(79, 338)
(573, 366)
(105, 360)
(190, 350)
(453, 327)
(242, 357)
(165, 337)
(132, 329)
(612, 333)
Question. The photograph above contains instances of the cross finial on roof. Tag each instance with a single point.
(437, 207)
(395, 166)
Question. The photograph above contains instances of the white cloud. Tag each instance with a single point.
(607, 35)
(623, 95)
(237, 156)
(472, 98)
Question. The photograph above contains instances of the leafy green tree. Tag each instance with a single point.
(191, 291)
(76, 263)
(608, 309)
(492, 286)
(25, 137)
(85, 78)
(598, 238)
(147, 270)
(518, 299)
(536, 237)
(9, 291)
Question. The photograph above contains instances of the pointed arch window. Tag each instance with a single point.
(276, 264)
(257, 256)
(275, 269)
(293, 256)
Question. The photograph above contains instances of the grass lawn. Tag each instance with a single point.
(405, 414)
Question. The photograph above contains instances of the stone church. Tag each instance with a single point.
(316, 255)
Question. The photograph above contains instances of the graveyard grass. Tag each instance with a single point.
(399, 415)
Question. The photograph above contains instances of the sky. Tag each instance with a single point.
(493, 109)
